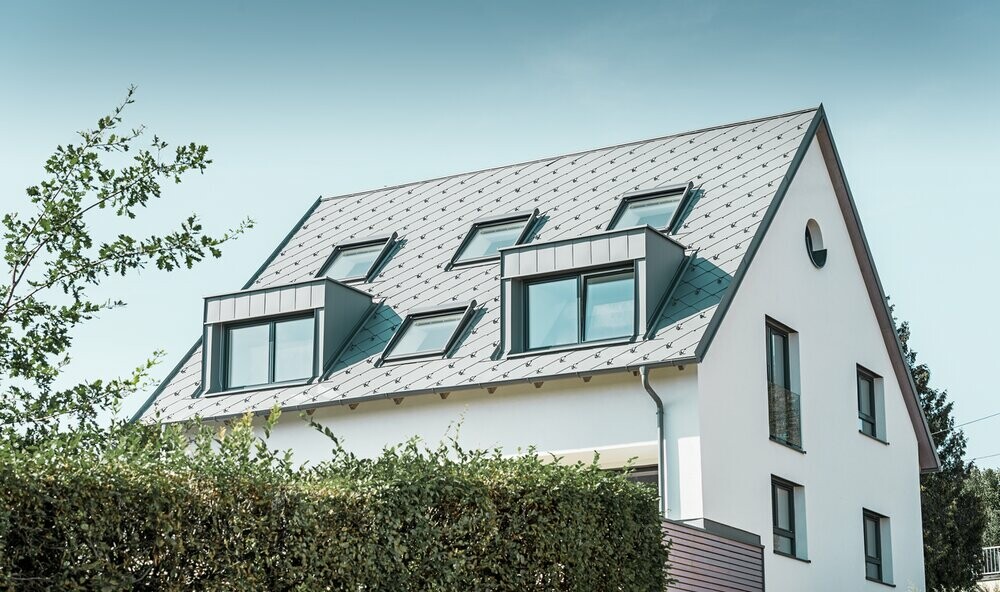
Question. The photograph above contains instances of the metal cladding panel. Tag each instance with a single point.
(735, 170)
(252, 304)
(703, 561)
(599, 249)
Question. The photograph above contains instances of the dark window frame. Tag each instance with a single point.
(581, 307)
(872, 420)
(684, 189)
(875, 560)
(779, 483)
(438, 311)
(775, 328)
(388, 241)
(270, 322)
(529, 222)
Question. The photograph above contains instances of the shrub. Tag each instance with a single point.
(153, 513)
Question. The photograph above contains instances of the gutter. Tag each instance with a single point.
(661, 466)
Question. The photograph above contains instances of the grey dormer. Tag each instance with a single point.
(642, 263)
(262, 337)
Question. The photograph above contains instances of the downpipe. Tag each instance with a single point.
(661, 463)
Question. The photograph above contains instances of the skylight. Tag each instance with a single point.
(489, 235)
(356, 261)
(656, 208)
(428, 333)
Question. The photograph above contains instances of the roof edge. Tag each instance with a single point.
(163, 384)
(758, 238)
(576, 153)
(820, 129)
(929, 460)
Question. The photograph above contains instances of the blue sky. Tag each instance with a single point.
(298, 99)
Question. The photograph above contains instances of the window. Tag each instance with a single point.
(867, 414)
(877, 555)
(487, 237)
(659, 208)
(814, 244)
(356, 261)
(784, 413)
(783, 516)
(274, 351)
(648, 476)
(584, 308)
(431, 333)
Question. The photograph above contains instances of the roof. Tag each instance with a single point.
(736, 171)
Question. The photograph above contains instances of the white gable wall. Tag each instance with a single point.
(842, 470)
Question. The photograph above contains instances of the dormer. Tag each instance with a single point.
(279, 336)
(593, 290)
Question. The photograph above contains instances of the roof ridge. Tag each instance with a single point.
(577, 153)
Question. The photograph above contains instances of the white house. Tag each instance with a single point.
(704, 303)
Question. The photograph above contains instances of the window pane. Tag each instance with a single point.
(783, 544)
(783, 509)
(655, 212)
(610, 307)
(873, 571)
(778, 370)
(293, 349)
(354, 262)
(247, 353)
(871, 538)
(427, 334)
(553, 313)
(865, 397)
(487, 240)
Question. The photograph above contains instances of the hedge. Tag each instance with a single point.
(413, 519)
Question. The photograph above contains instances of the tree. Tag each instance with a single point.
(952, 515)
(52, 259)
(985, 485)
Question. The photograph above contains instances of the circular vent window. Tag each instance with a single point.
(814, 244)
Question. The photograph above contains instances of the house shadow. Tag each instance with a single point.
(701, 287)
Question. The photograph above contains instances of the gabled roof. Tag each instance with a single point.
(736, 171)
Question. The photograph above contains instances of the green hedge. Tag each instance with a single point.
(411, 520)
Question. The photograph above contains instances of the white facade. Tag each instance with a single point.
(719, 461)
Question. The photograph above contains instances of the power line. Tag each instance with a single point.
(982, 457)
(967, 423)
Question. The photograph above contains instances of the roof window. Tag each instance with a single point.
(357, 261)
(487, 236)
(659, 208)
(428, 332)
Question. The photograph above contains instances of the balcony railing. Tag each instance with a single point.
(991, 562)
(784, 415)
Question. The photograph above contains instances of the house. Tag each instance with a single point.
(703, 303)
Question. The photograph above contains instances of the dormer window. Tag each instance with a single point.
(357, 261)
(603, 288)
(659, 208)
(487, 236)
(281, 335)
(428, 332)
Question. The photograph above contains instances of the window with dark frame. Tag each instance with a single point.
(784, 414)
(584, 308)
(355, 261)
(273, 351)
(873, 547)
(783, 516)
(485, 239)
(658, 209)
(427, 334)
(867, 411)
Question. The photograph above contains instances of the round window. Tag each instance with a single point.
(814, 244)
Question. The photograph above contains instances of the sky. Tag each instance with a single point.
(301, 99)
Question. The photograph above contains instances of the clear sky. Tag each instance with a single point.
(298, 99)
